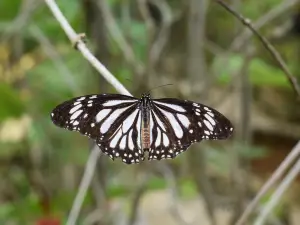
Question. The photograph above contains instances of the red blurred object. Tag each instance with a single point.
(48, 221)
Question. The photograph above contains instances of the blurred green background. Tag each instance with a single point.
(195, 45)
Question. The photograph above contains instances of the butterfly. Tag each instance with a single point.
(127, 127)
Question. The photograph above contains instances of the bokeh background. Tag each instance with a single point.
(195, 45)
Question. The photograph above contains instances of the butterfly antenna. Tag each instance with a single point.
(158, 87)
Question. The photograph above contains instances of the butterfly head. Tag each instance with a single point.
(145, 99)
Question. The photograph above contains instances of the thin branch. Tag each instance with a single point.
(137, 197)
(273, 179)
(275, 54)
(84, 185)
(246, 34)
(119, 38)
(279, 191)
(83, 49)
(56, 58)
(164, 31)
(171, 181)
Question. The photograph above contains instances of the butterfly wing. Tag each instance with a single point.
(176, 124)
(113, 121)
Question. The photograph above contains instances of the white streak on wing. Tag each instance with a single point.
(114, 141)
(75, 108)
(76, 114)
(158, 139)
(165, 140)
(151, 128)
(171, 106)
(102, 114)
(174, 123)
(117, 102)
(123, 142)
(138, 127)
(129, 121)
(111, 119)
(184, 120)
(211, 120)
(159, 121)
(208, 125)
(130, 141)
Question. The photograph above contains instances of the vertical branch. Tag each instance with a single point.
(238, 166)
(196, 63)
(196, 70)
(84, 185)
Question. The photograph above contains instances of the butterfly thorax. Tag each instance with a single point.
(145, 128)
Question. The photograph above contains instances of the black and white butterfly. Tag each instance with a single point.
(127, 127)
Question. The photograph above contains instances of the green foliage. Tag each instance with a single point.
(9, 9)
(11, 104)
(260, 73)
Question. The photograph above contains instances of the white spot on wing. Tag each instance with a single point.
(75, 123)
(207, 109)
(102, 114)
(80, 99)
(117, 102)
(171, 106)
(184, 120)
(76, 114)
(75, 108)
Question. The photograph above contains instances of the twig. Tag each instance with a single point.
(84, 185)
(279, 191)
(275, 54)
(273, 179)
(83, 49)
(137, 197)
(242, 38)
(163, 34)
(56, 58)
(171, 181)
(119, 38)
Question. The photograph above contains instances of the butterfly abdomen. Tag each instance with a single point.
(145, 130)
(146, 138)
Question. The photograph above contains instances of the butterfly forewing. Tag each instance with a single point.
(178, 124)
(111, 120)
